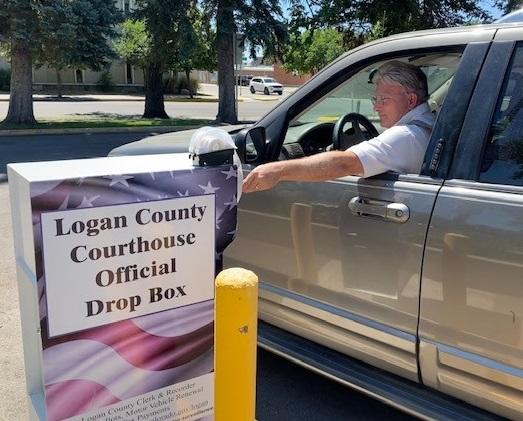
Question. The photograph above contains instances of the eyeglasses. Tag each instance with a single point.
(379, 99)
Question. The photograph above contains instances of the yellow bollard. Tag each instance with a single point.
(235, 334)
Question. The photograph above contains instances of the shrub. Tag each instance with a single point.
(5, 80)
(105, 83)
(173, 85)
(181, 84)
(169, 86)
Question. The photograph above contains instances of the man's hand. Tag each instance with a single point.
(324, 166)
(263, 177)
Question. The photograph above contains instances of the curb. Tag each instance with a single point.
(158, 129)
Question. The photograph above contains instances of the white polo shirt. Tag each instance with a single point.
(400, 148)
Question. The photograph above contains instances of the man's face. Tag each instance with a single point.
(392, 102)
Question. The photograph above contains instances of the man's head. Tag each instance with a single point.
(400, 87)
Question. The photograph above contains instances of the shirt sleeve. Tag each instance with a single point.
(392, 150)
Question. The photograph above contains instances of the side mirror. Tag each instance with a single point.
(251, 144)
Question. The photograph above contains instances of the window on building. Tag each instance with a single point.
(126, 6)
(79, 76)
(503, 156)
(129, 74)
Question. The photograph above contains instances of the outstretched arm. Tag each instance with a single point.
(324, 166)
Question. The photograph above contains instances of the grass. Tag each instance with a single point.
(90, 122)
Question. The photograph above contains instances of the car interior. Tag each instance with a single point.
(345, 115)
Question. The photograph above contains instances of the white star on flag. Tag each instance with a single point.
(183, 194)
(231, 173)
(232, 204)
(208, 189)
(87, 203)
(63, 206)
(218, 222)
(119, 179)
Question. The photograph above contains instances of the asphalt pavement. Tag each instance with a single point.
(250, 107)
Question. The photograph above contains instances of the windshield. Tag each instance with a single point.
(269, 80)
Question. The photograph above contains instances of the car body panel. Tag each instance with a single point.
(174, 142)
(471, 325)
(350, 270)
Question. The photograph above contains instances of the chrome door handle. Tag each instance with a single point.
(394, 212)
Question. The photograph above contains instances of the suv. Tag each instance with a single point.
(406, 286)
(267, 85)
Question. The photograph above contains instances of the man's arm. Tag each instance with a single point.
(324, 166)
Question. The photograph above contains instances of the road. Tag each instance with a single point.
(248, 111)
(252, 107)
(284, 391)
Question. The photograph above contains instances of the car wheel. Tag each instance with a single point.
(252, 90)
(266, 91)
(280, 93)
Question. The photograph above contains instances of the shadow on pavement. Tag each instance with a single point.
(112, 116)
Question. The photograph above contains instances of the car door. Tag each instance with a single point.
(348, 276)
(471, 315)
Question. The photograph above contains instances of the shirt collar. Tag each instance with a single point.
(418, 113)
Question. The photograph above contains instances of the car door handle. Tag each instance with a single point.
(394, 212)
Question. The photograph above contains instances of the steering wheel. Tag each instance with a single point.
(342, 140)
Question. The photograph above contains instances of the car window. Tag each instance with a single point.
(269, 80)
(502, 161)
(354, 95)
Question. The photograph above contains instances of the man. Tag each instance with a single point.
(401, 102)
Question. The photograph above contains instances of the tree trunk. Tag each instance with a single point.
(224, 40)
(154, 105)
(189, 85)
(59, 83)
(21, 97)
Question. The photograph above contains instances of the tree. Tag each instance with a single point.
(262, 24)
(30, 28)
(134, 43)
(22, 23)
(160, 35)
(82, 40)
(198, 49)
(358, 19)
(508, 6)
(311, 51)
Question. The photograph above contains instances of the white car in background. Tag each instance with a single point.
(267, 85)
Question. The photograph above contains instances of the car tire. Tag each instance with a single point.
(266, 91)
(252, 90)
(280, 93)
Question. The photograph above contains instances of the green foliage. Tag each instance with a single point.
(261, 21)
(313, 50)
(5, 80)
(361, 20)
(62, 33)
(508, 6)
(59, 33)
(164, 22)
(134, 43)
(105, 83)
(198, 47)
(175, 85)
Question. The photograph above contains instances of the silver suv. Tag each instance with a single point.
(406, 286)
(267, 85)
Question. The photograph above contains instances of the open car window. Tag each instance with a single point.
(354, 96)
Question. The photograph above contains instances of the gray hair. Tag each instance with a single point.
(407, 75)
